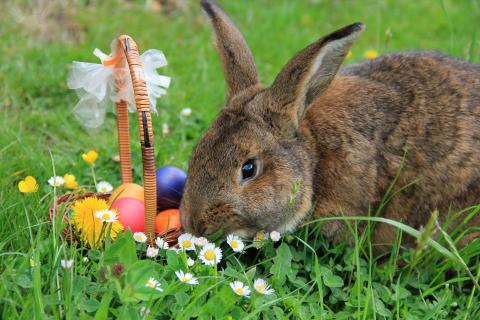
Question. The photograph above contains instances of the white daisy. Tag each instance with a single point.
(210, 255)
(240, 289)
(262, 287)
(162, 244)
(104, 187)
(152, 252)
(106, 215)
(186, 241)
(85, 259)
(140, 237)
(201, 241)
(275, 236)
(235, 243)
(190, 262)
(154, 284)
(186, 112)
(186, 277)
(66, 264)
(56, 181)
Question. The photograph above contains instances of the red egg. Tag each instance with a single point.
(167, 219)
(131, 213)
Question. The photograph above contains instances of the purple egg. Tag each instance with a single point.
(170, 183)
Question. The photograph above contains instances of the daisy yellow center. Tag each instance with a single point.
(261, 288)
(240, 291)
(184, 278)
(187, 243)
(151, 284)
(106, 216)
(104, 189)
(234, 244)
(209, 255)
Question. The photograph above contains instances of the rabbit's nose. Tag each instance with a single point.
(192, 222)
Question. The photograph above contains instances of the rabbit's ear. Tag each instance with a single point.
(237, 60)
(309, 73)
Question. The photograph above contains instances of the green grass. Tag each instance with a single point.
(313, 279)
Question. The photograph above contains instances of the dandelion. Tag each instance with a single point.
(200, 242)
(104, 187)
(370, 54)
(140, 237)
(210, 255)
(186, 112)
(153, 284)
(235, 243)
(186, 277)
(66, 264)
(108, 216)
(90, 157)
(56, 181)
(190, 262)
(70, 182)
(162, 244)
(275, 236)
(28, 185)
(240, 289)
(88, 225)
(186, 241)
(262, 287)
(152, 252)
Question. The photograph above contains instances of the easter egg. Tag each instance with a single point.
(127, 190)
(131, 213)
(170, 183)
(167, 219)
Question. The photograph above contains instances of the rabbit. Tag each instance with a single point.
(322, 141)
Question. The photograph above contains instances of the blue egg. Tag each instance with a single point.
(170, 183)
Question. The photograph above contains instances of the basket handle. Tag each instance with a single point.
(129, 48)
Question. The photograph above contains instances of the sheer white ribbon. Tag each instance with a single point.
(97, 85)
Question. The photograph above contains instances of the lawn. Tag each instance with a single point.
(312, 278)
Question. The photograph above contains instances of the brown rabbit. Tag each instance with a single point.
(339, 135)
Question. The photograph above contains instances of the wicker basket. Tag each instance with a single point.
(131, 59)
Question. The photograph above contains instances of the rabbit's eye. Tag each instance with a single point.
(249, 169)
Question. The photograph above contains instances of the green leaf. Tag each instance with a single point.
(122, 250)
(91, 305)
(281, 264)
(329, 279)
(24, 281)
(182, 298)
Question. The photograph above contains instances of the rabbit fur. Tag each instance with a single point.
(340, 135)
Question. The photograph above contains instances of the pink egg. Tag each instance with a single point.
(131, 213)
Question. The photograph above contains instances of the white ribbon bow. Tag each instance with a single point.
(96, 85)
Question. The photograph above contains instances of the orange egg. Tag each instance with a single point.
(127, 190)
(167, 219)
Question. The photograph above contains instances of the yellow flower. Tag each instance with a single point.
(88, 225)
(70, 182)
(370, 54)
(29, 184)
(349, 54)
(90, 157)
